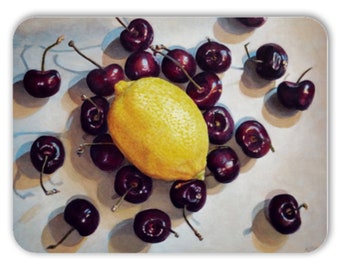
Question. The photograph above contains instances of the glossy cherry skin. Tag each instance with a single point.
(93, 117)
(209, 92)
(107, 157)
(101, 81)
(138, 35)
(140, 185)
(271, 61)
(50, 147)
(172, 71)
(152, 225)
(191, 194)
(82, 215)
(284, 213)
(141, 64)
(298, 96)
(213, 56)
(224, 164)
(252, 21)
(42, 84)
(253, 138)
(220, 124)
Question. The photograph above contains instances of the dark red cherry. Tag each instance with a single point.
(213, 56)
(47, 155)
(271, 61)
(93, 114)
(253, 138)
(105, 155)
(101, 81)
(191, 194)
(43, 83)
(175, 61)
(152, 225)
(132, 185)
(83, 216)
(224, 164)
(284, 213)
(205, 90)
(220, 124)
(141, 64)
(137, 36)
(252, 21)
(296, 95)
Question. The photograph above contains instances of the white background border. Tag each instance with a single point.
(13, 256)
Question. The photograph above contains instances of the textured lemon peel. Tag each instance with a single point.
(159, 129)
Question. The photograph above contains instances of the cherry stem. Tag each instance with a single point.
(156, 49)
(257, 138)
(175, 233)
(121, 199)
(82, 146)
(290, 210)
(246, 49)
(122, 23)
(71, 44)
(47, 192)
(304, 205)
(61, 240)
(59, 40)
(199, 236)
(179, 185)
(248, 54)
(303, 74)
(84, 97)
(135, 32)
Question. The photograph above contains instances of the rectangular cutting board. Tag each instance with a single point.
(233, 218)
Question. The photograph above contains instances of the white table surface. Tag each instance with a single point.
(232, 219)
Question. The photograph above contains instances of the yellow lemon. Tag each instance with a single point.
(159, 129)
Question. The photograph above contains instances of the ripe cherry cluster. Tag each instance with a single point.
(205, 89)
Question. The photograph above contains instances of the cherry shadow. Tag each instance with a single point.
(77, 89)
(160, 197)
(82, 164)
(113, 51)
(55, 230)
(24, 104)
(251, 84)
(122, 239)
(230, 30)
(265, 238)
(276, 114)
(26, 177)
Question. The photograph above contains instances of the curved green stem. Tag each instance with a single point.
(47, 192)
(71, 44)
(61, 240)
(199, 236)
(121, 199)
(157, 50)
(60, 39)
(302, 75)
(82, 146)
